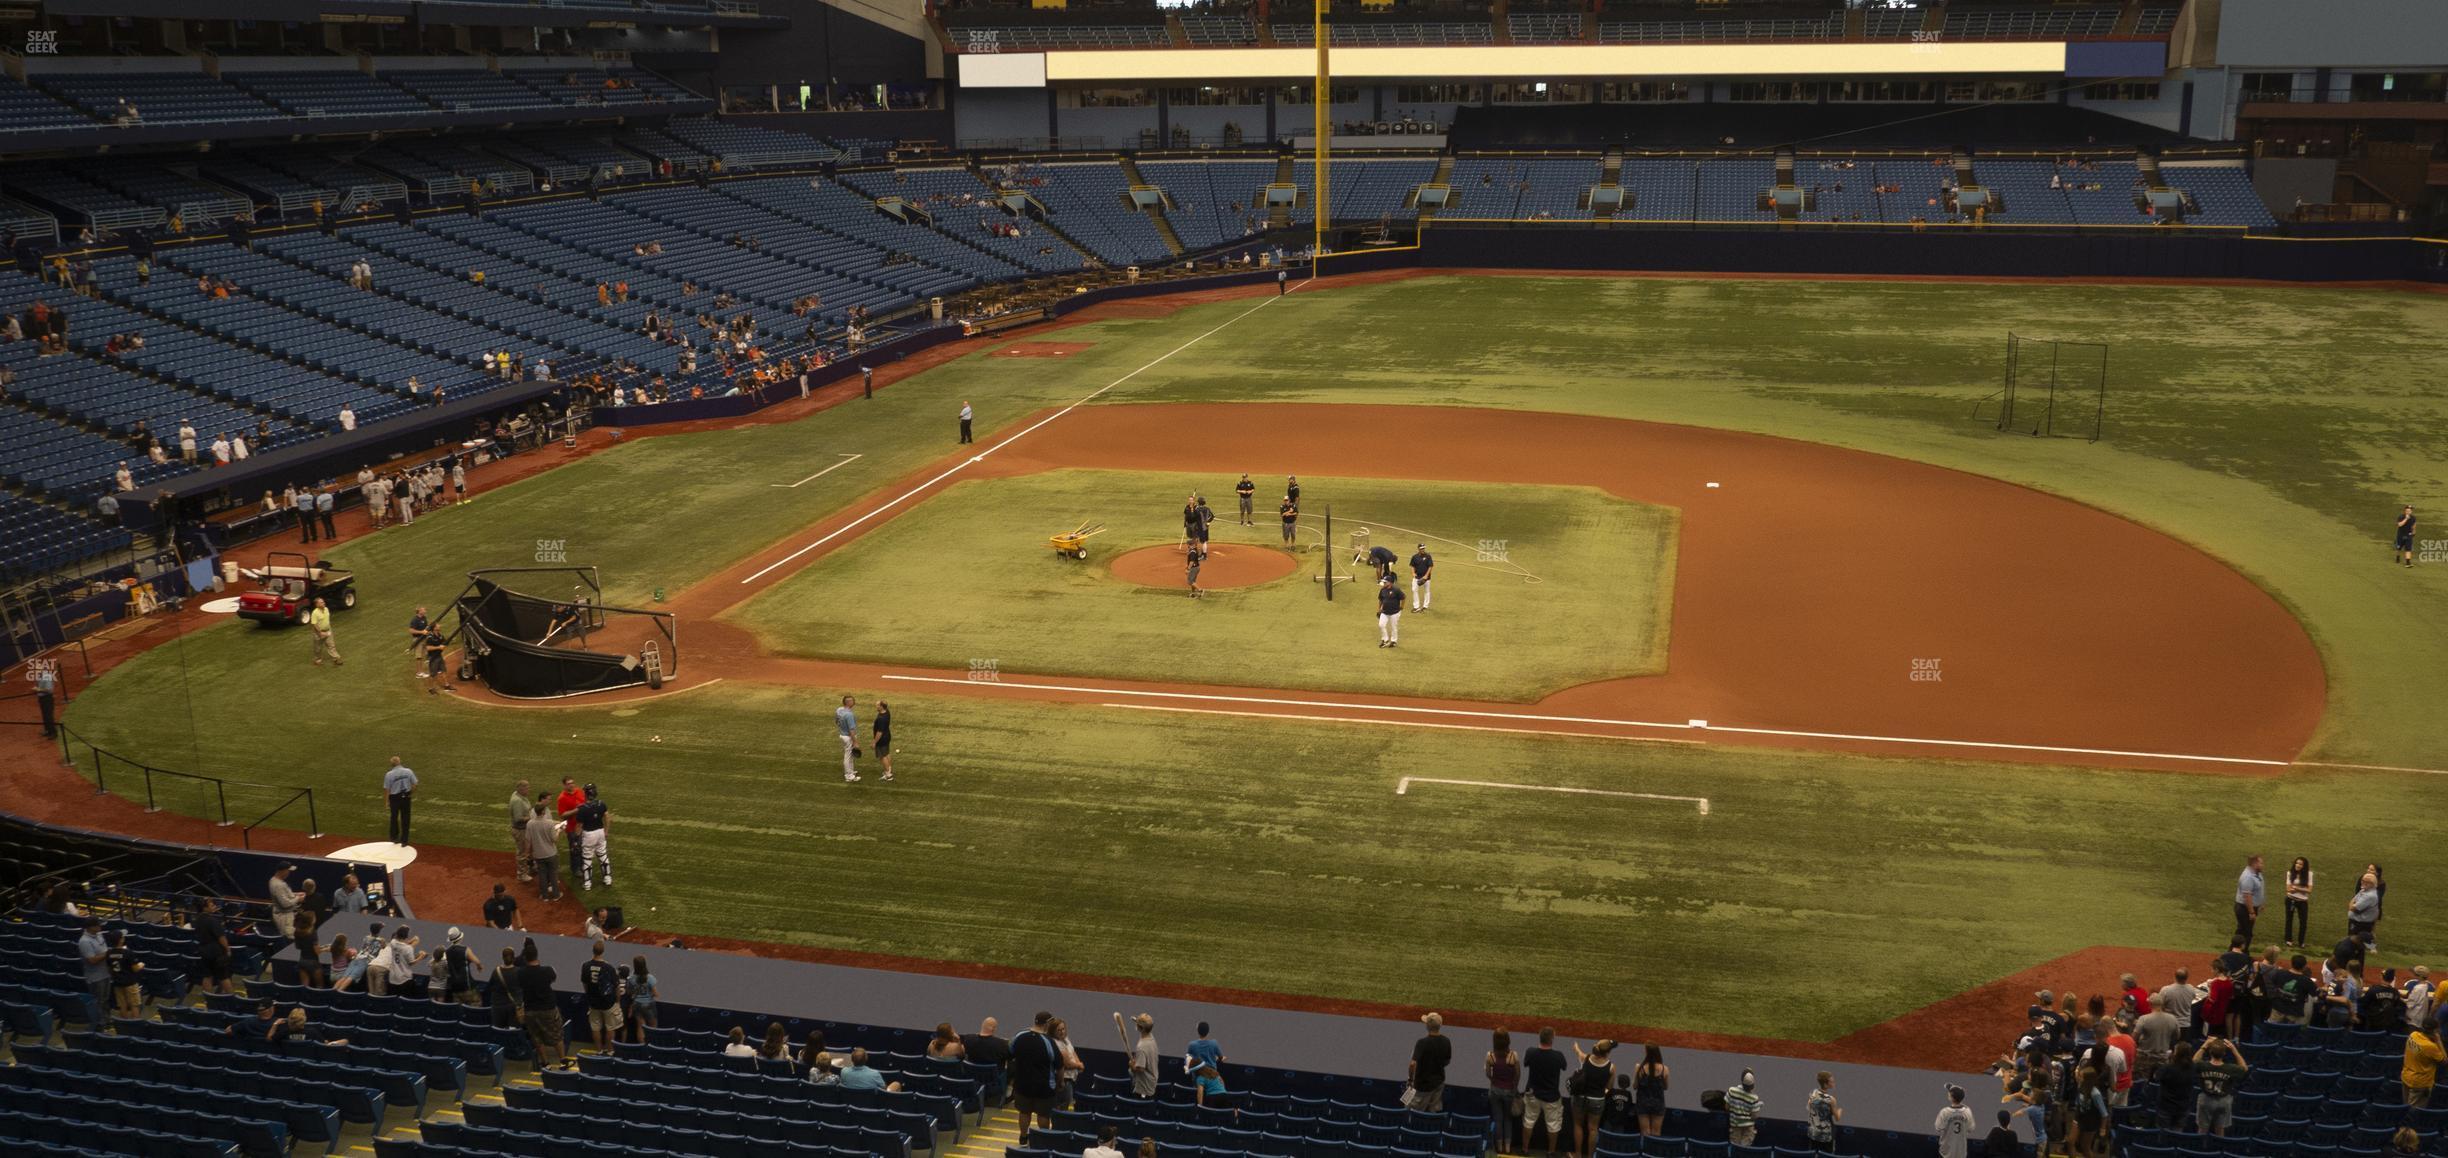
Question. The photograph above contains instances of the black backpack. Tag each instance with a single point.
(455, 969)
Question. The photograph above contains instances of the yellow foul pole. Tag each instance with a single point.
(1321, 100)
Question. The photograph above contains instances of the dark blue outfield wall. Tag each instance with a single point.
(1939, 252)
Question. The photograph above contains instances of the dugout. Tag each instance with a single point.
(567, 642)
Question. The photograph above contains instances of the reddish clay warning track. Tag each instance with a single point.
(1809, 583)
(1225, 567)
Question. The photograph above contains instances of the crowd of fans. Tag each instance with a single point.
(2073, 1071)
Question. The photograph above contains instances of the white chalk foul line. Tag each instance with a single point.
(846, 460)
(2372, 767)
(1603, 721)
(1402, 787)
(980, 456)
(1276, 701)
(1402, 723)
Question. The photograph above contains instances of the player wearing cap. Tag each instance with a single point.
(1246, 491)
(1381, 558)
(1389, 611)
(1195, 556)
(1422, 564)
(1289, 512)
(594, 839)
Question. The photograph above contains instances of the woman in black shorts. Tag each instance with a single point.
(883, 736)
(1589, 1093)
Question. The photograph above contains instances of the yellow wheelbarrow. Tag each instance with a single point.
(1074, 543)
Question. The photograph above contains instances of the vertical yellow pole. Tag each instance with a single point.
(1321, 102)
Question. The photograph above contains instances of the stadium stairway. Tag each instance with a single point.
(1156, 213)
(999, 1132)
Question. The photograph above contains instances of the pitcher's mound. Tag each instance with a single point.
(1227, 566)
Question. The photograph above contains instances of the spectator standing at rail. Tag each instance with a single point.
(2249, 897)
(1543, 1091)
(1589, 1093)
(1431, 1055)
(1954, 1126)
(543, 1017)
(350, 897)
(1502, 1067)
(457, 971)
(1742, 1104)
(1649, 1080)
(1821, 1113)
(284, 901)
(601, 984)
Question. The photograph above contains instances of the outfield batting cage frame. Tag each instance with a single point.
(567, 643)
(2054, 388)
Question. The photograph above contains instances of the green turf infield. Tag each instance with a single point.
(2277, 428)
(1537, 588)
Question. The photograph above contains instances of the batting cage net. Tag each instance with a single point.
(2053, 388)
(531, 646)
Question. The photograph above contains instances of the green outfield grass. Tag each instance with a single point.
(1819, 895)
(2278, 429)
(1581, 592)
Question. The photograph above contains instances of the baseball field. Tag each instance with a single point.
(1768, 692)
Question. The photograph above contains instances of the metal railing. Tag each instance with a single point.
(210, 798)
(120, 220)
(299, 202)
(782, 159)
